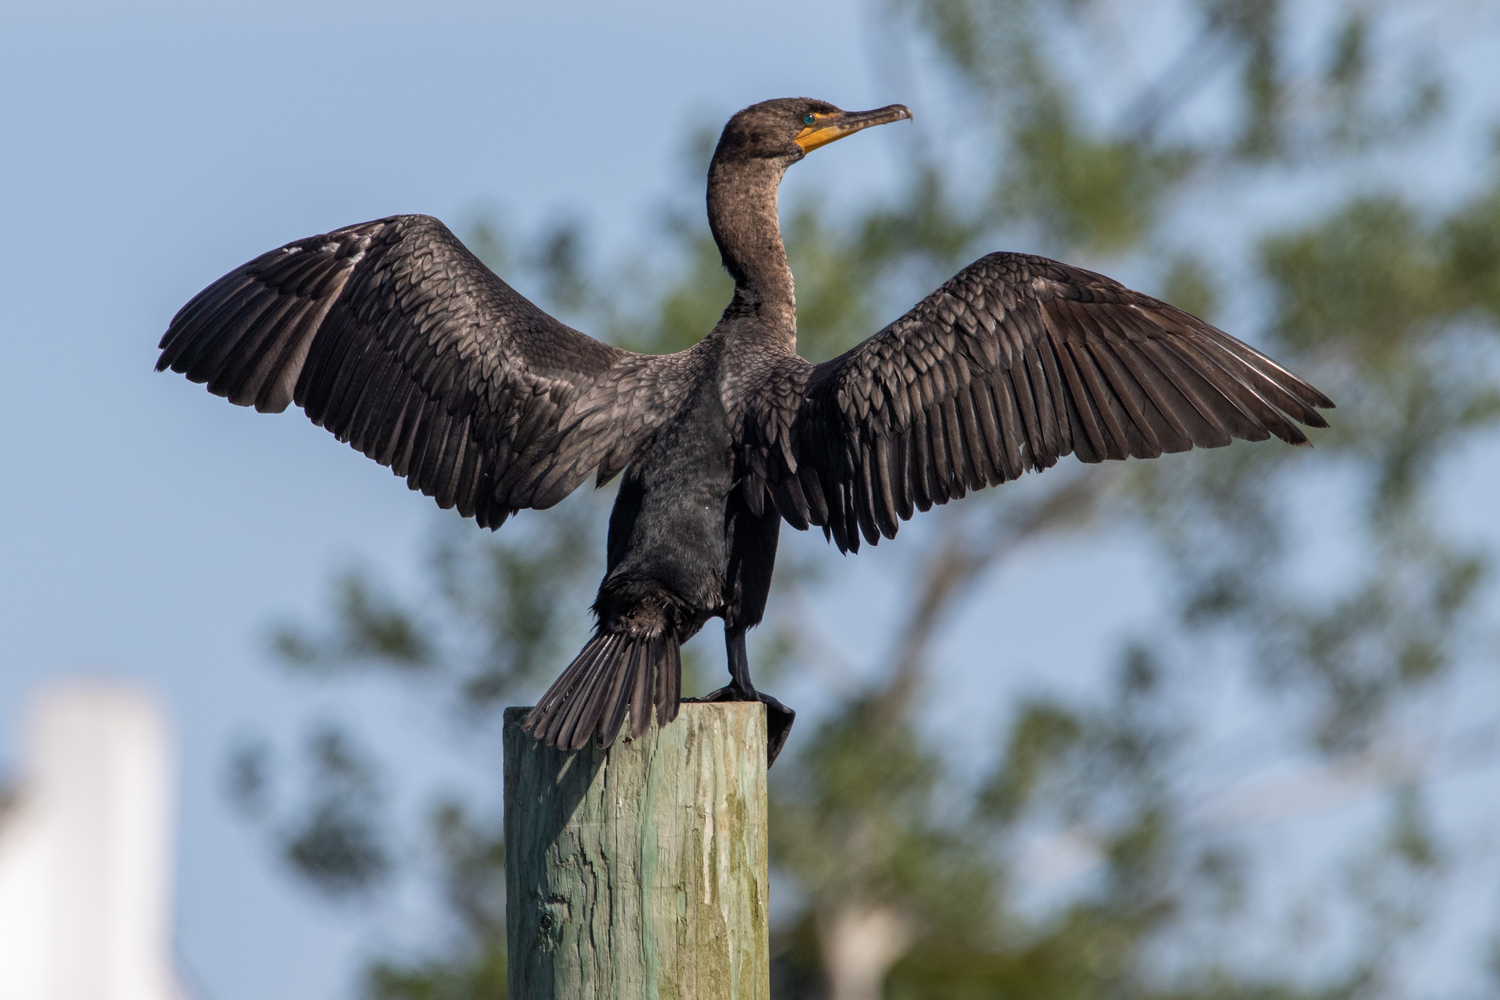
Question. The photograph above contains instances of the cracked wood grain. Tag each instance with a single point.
(640, 871)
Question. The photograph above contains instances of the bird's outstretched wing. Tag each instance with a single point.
(1015, 362)
(401, 342)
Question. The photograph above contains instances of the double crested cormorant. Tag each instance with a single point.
(397, 339)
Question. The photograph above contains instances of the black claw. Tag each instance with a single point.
(723, 694)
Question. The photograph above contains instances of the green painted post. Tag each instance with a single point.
(640, 871)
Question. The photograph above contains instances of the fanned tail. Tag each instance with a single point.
(614, 672)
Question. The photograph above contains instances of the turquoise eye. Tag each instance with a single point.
(808, 119)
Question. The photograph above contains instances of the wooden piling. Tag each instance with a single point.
(640, 871)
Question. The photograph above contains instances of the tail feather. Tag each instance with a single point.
(669, 686)
(617, 700)
(564, 701)
(642, 697)
(597, 704)
(615, 673)
(576, 722)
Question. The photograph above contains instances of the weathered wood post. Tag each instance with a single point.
(640, 871)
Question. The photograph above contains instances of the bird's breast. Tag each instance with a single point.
(668, 520)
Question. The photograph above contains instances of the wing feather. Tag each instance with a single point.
(400, 342)
(1014, 363)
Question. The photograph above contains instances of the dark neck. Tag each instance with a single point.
(742, 215)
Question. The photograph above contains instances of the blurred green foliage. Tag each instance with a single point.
(912, 872)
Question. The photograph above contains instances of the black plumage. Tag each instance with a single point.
(397, 339)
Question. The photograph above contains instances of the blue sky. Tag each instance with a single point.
(151, 531)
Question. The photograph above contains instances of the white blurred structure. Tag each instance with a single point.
(85, 851)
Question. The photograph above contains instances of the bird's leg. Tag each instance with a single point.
(779, 718)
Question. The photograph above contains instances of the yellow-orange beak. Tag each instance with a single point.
(827, 128)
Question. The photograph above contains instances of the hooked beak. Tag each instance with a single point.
(827, 128)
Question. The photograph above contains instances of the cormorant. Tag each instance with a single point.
(397, 339)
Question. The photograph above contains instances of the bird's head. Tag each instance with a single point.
(789, 128)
